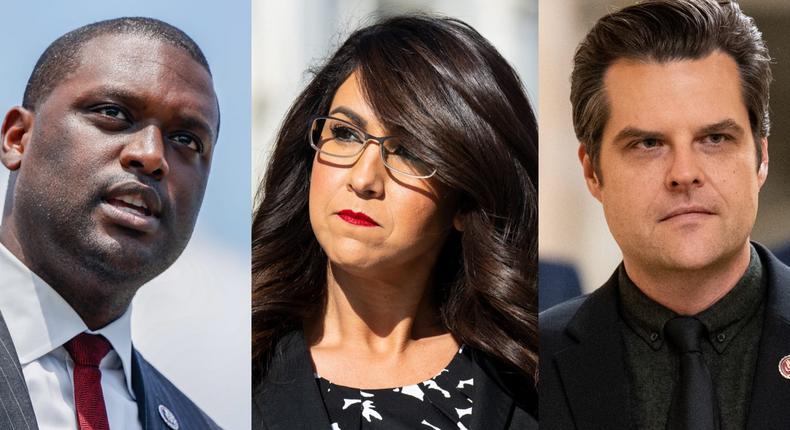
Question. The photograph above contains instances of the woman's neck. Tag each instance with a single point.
(379, 332)
(380, 314)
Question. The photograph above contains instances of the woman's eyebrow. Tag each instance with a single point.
(353, 116)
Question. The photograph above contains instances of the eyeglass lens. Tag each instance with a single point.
(337, 138)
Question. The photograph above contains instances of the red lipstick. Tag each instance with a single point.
(357, 218)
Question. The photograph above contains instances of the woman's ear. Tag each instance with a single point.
(458, 223)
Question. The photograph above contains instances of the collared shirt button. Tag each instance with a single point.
(721, 337)
(653, 337)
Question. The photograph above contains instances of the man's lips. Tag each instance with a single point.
(357, 218)
(686, 211)
(133, 205)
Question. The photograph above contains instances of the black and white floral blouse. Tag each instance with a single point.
(443, 402)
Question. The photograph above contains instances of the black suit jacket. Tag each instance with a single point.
(150, 387)
(583, 382)
(289, 399)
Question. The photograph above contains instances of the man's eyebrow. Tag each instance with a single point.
(122, 94)
(637, 133)
(194, 123)
(136, 102)
(728, 125)
(353, 116)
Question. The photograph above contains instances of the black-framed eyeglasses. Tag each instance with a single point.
(338, 138)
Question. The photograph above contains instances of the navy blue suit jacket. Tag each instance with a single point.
(150, 387)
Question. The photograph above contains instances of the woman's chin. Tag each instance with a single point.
(359, 265)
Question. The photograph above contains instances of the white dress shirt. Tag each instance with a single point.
(40, 322)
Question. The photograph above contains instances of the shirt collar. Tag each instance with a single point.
(723, 320)
(118, 333)
(40, 321)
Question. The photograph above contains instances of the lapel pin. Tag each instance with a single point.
(168, 417)
(784, 366)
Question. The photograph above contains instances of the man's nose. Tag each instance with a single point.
(145, 153)
(366, 177)
(685, 170)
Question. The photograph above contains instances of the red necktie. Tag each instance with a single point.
(87, 351)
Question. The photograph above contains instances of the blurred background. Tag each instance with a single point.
(573, 232)
(291, 37)
(193, 321)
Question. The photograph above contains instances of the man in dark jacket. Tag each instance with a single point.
(109, 157)
(670, 105)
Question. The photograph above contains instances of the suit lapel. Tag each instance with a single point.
(146, 409)
(593, 370)
(150, 394)
(289, 397)
(770, 391)
(160, 405)
(16, 410)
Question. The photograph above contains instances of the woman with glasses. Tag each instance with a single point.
(394, 247)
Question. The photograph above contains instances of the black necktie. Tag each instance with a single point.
(694, 405)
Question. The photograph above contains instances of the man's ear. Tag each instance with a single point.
(590, 177)
(762, 169)
(16, 132)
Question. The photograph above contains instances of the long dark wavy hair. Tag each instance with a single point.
(459, 106)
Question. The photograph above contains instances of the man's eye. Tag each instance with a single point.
(189, 141)
(717, 138)
(648, 143)
(112, 111)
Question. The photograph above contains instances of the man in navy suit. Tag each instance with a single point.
(670, 105)
(109, 156)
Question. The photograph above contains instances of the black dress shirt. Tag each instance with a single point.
(733, 324)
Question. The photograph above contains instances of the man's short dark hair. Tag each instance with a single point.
(662, 31)
(62, 56)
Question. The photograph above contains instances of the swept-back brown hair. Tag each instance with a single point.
(661, 31)
(459, 106)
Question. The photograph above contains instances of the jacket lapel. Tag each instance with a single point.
(160, 405)
(290, 389)
(150, 394)
(17, 410)
(770, 390)
(593, 370)
(147, 411)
